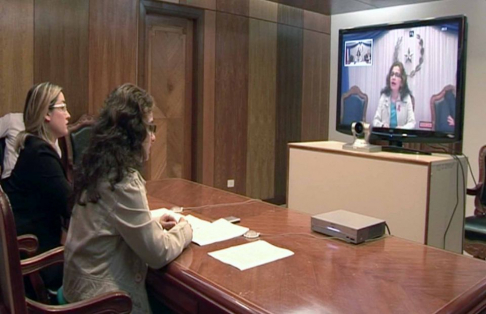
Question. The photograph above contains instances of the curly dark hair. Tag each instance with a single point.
(404, 90)
(116, 143)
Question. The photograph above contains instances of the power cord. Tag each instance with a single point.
(219, 205)
(318, 237)
(457, 195)
(475, 183)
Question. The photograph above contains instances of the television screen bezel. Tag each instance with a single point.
(404, 135)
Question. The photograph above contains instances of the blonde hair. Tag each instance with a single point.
(39, 98)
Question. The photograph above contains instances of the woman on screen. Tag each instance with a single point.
(395, 108)
(112, 238)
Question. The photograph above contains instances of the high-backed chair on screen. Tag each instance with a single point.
(353, 106)
(74, 144)
(443, 109)
(475, 226)
(12, 296)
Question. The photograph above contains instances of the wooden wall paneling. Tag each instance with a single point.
(317, 22)
(262, 89)
(290, 16)
(289, 101)
(61, 50)
(205, 4)
(231, 100)
(16, 53)
(240, 7)
(315, 86)
(113, 47)
(264, 10)
(206, 129)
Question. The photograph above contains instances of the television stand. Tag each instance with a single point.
(403, 150)
(415, 194)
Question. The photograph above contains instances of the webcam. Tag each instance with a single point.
(361, 130)
(361, 138)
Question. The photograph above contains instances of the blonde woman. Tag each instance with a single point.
(37, 188)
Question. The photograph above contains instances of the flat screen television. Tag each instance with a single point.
(405, 79)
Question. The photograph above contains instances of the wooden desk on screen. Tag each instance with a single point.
(389, 275)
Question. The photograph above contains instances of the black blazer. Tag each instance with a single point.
(39, 191)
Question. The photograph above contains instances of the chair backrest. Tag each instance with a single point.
(74, 144)
(353, 106)
(12, 296)
(443, 105)
(480, 200)
(2, 153)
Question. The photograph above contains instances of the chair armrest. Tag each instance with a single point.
(475, 190)
(28, 244)
(36, 263)
(113, 302)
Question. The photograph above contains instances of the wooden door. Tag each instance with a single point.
(168, 78)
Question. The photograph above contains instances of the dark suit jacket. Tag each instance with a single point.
(38, 191)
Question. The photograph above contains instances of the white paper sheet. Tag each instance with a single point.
(251, 254)
(219, 230)
(205, 232)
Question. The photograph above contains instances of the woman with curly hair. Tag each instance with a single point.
(112, 237)
(395, 108)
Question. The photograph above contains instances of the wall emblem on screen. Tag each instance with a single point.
(408, 56)
(358, 53)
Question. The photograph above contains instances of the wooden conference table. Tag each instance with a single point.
(389, 275)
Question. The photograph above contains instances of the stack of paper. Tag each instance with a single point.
(205, 232)
(250, 254)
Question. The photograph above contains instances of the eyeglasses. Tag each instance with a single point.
(152, 128)
(396, 74)
(63, 107)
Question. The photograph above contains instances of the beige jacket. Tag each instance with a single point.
(111, 243)
(405, 114)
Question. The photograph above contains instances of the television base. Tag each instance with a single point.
(403, 150)
(362, 146)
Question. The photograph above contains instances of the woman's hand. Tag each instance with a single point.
(450, 120)
(167, 222)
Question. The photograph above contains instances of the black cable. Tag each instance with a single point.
(457, 195)
(387, 228)
(470, 171)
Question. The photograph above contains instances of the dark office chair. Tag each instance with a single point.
(475, 226)
(2, 153)
(353, 106)
(74, 144)
(443, 105)
(12, 296)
